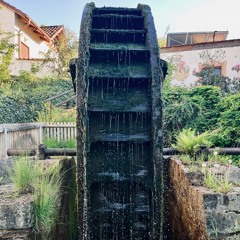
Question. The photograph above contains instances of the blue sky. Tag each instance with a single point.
(179, 15)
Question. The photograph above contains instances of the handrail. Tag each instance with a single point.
(57, 96)
(47, 152)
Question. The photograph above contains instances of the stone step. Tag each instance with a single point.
(16, 211)
(118, 36)
(140, 108)
(115, 21)
(15, 235)
(118, 11)
(138, 177)
(114, 71)
(119, 46)
(120, 137)
(121, 58)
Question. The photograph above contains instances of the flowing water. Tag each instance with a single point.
(121, 193)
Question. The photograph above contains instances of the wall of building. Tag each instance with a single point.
(24, 64)
(37, 47)
(187, 60)
(6, 19)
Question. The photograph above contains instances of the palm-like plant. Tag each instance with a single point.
(188, 142)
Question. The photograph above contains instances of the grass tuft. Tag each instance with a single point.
(210, 180)
(47, 195)
(218, 184)
(27, 176)
(23, 174)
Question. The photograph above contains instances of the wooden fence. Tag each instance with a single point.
(29, 135)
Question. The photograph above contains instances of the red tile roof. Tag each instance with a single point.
(25, 18)
(53, 31)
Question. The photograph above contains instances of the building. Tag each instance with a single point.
(190, 52)
(32, 41)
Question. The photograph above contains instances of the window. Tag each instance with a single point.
(215, 70)
(219, 68)
(24, 51)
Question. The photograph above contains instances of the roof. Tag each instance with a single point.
(25, 18)
(53, 31)
(186, 38)
(201, 46)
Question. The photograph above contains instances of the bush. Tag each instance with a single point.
(50, 113)
(19, 104)
(195, 108)
(188, 142)
(6, 52)
(15, 109)
(53, 143)
(207, 98)
(179, 110)
(208, 77)
(228, 122)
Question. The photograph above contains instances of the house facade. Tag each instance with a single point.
(33, 42)
(192, 57)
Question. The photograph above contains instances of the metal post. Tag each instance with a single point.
(5, 143)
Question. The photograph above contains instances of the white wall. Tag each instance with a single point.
(37, 47)
(188, 61)
(23, 64)
(7, 19)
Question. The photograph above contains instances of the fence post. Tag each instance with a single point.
(40, 134)
(5, 143)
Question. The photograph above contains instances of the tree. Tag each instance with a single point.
(66, 49)
(6, 53)
(211, 74)
(235, 86)
(162, 42)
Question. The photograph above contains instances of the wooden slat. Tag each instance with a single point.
(27, 135)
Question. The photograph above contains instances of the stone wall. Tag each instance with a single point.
(17, 210)
(194, 212)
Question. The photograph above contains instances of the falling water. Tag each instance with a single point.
(116, 175)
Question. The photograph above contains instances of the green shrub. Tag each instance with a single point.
(53, 143)
(188, 142)
(229, 119)
(178, 111)
(235, 160)
(6, 53)
(21, 99)
(195, 108)
(49, 113)
(207, 98)
(15, 109)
